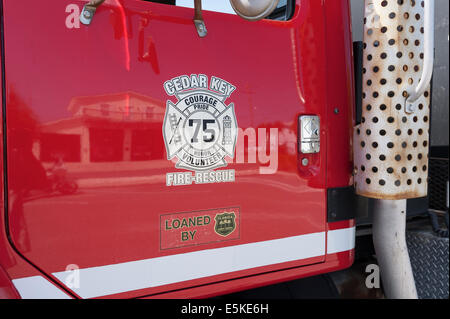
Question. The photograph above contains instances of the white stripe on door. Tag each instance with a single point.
(154, 272)
(340, 240)
(37, 287)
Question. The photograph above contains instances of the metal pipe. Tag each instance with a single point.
(198, 10)
(389, 223)
(428, 54)
(198, 19)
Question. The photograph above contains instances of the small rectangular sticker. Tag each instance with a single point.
(199, 227)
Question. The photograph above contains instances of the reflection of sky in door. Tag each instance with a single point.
(210, 5)
(215, 5)
(78, 63)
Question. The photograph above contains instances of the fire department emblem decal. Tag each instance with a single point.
(225, 223)
(200, 130)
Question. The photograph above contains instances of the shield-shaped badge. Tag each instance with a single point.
(225, 223)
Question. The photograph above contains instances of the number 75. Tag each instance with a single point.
(206, 130)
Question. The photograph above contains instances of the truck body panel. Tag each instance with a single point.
(91, 102)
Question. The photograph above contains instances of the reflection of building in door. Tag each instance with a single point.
(105, 128)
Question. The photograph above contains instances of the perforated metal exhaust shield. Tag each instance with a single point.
(391, 144)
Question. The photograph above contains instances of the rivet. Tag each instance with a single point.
(305, 161)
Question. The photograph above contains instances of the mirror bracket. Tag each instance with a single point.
(198, 19)
(87, 14)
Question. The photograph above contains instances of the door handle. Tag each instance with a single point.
(89, 10)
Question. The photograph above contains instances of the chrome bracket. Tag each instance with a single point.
(198, 19)
(201, 28)
(87, 14)
(410, 107)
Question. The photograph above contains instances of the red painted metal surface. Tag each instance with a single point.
(94, 96)
(7, 290)
(340, 94)
(333, 263)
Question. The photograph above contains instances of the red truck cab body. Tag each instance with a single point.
(125, 173)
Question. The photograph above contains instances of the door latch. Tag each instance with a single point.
(309, 127)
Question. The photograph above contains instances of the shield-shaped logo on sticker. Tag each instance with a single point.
(200, 130)
(225, 223)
